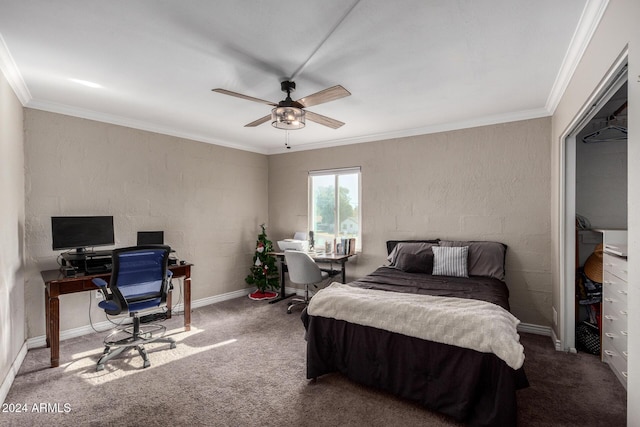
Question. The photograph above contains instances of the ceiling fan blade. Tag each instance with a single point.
(326, 95)
(323, 120)
(258, 122)
(239, 95)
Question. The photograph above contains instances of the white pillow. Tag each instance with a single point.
(450, 261)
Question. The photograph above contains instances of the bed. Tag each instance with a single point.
(420, 329)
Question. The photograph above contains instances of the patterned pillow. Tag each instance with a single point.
(450, 261)
(485, 258)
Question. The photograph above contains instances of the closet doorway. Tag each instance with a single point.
(595, 190)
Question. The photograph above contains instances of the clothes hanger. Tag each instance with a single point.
(609, 132)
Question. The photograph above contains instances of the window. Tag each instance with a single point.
(334, 206)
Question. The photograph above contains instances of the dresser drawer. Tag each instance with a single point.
(616, 361)
(614, 290)
(615, 319)
(615, 333)
(615, 265)
(614, 303)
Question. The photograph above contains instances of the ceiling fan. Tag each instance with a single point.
(289, 114)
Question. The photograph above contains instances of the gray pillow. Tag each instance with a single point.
(415, 263)
(391, 244)
(416, 248)
(485, 258)
(450, 261)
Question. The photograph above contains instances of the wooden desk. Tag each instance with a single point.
(57, 284)
(317, 257)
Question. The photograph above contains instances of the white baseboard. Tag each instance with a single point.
(535, 329)
(542, 330)
(41, 340)
(557, 343)
(218, 298)
(13, 371)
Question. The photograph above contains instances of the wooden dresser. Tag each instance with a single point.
(614, 310)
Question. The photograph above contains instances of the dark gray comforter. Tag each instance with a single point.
(477, 388)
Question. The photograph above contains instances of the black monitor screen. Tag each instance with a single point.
(150, 238)
(80, 232)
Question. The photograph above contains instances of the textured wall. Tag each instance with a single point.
(208, 199)
(617, 32)
(601, 183)
(12, 330)
(486, 183)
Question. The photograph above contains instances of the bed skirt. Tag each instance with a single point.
(472, 387)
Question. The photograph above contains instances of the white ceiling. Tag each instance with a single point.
(412, 66)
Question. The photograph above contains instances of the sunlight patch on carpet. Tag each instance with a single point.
(130, 363)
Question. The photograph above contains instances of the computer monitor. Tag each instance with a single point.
(150, 238)
(81, 232)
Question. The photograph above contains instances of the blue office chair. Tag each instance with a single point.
(140, 282)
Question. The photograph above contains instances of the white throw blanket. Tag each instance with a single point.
(468, 323)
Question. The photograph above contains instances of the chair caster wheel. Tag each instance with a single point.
(99, 368)
(173, 345)
(146, 364)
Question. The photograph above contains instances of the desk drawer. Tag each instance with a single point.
(615, 265)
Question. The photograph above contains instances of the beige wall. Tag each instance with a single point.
(618, 28)
(208, 199)
(601, 183)
(12, 307)
(486, 183)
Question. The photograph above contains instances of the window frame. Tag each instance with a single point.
(336, 173)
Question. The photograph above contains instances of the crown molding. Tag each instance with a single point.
(152, 127)
(12, 74)
(445, 127)
(587, 25)
(589, 21)
(82, 113)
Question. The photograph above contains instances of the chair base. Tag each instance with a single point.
(136, 338)
(296, 301)
(300, 301)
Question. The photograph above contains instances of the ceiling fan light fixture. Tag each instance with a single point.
(288, 118)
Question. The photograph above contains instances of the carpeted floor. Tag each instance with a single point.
(243, 364)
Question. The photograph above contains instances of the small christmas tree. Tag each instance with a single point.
(264, 272)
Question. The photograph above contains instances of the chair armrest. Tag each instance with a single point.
(101, 283)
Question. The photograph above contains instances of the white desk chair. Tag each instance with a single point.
(303, 270)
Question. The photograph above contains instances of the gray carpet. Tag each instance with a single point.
(243, 364)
